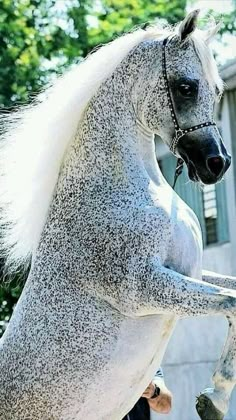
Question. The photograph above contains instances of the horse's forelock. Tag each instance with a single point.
(208, 62)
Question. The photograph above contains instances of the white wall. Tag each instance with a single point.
(219, 259)
(230, 182)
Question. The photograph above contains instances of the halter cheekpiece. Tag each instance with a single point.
(179, 132)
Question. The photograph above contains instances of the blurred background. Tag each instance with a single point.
(41, 38)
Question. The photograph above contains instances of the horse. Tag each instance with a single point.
(116, 255)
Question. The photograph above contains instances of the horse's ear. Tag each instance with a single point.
(212, 32)
(188, 25)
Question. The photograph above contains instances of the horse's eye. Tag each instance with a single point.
(186, 90)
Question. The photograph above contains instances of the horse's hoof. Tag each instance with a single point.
(206, 409)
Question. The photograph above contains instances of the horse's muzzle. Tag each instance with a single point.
(207, 159)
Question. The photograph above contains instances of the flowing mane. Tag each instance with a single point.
(37, 137)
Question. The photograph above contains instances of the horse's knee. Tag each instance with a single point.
(224, 381)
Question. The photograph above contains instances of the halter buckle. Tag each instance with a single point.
(178, 134)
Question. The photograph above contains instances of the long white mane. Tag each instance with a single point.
(37, 138)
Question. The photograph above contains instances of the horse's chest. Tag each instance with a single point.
(185, 247)
(166, 229)
(178, 232)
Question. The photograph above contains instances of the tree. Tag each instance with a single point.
(115, 16)
(9, 295)
(36, 40)
(228, 21)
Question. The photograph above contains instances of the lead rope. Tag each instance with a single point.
(178, 170)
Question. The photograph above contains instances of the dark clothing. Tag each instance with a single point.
(141, 410)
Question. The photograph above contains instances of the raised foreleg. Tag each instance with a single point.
(219, 279)
(152, 289)
(213, 402)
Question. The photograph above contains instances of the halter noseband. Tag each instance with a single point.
(179, 132)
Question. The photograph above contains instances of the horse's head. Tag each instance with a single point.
(179, 105)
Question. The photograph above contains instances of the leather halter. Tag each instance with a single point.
(179, 132)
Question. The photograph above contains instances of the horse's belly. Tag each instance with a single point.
(138, 354)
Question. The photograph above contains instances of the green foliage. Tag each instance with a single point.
(18, 51)
(228, 22)
(9, 294)
(35, 41)
(20, 71)
(39, 37)
(115, 16)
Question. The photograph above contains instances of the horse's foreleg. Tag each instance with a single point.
(169, 291)
(219, 279)
(200, 297)
(162, 290)
(213, 402)
(151, 288)
(154, 289)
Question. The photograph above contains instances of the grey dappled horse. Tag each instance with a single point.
(116, 254)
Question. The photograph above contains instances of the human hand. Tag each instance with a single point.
(162, 403)
(149, 391)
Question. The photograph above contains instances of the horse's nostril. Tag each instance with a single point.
(216, 165)
(228, 160)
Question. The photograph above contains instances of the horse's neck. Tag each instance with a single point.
(148, 153)
(111, 146)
